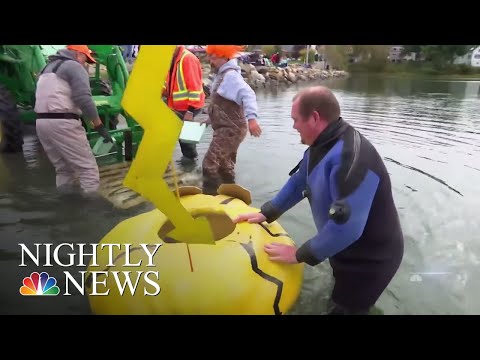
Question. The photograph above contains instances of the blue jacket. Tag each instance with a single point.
(349, 190)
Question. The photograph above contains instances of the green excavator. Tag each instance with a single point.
(20, 66)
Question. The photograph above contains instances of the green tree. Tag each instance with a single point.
(296, 49)
(336, 55)
(439, 55)
(268, 50)
(374, 56)
(442, 55)
(407, 49)
(311, 55)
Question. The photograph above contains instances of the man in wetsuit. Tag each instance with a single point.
(349, 190)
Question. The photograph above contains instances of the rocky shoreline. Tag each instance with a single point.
(272, 77)
(259, 77)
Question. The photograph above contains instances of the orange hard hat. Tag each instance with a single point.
(224, 51)
(84, 50)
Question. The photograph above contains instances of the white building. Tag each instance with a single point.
(475, 60)
(472, 57)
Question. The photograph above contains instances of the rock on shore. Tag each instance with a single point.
(271, 76)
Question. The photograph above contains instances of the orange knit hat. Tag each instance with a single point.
(224, 51)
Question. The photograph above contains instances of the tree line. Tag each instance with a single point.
(375, 57)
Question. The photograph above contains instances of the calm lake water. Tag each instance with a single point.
(428, 132)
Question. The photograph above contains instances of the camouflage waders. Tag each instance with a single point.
(229, 130)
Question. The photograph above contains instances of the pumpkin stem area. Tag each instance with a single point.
(220, 223)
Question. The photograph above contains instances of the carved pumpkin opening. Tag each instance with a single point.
(220, 223)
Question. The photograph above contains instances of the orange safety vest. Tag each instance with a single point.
(184, 84)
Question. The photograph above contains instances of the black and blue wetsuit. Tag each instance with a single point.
(350, 195)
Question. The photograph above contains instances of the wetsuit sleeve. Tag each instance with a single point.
(290, 195)
(340, 231)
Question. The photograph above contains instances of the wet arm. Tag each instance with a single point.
(290, 195)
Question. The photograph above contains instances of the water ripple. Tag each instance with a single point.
(424, 173)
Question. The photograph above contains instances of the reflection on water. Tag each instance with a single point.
(428, 132)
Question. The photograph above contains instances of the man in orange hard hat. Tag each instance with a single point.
(83, 50)
(63, 95)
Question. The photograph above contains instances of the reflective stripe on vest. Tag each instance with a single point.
(183, 93)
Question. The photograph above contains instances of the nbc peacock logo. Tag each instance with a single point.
(39, 284)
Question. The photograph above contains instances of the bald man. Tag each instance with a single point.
(350, 195)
